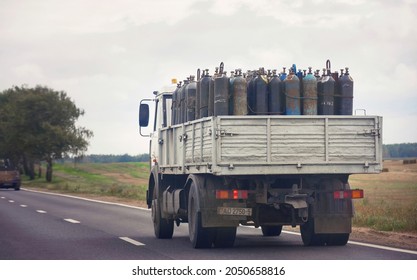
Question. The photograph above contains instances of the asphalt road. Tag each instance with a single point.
(40, 226)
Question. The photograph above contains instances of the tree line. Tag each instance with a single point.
(404, 150)
(96, 158)
(39, 124)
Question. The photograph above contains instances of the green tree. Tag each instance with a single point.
(39, 124)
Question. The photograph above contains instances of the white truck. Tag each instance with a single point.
(216, 173)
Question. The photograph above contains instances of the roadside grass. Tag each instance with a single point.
(123, 180)
(390, 202)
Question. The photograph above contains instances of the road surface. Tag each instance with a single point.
(41, 226)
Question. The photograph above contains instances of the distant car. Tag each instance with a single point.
(9, 175)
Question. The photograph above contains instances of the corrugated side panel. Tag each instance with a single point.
(297, 140)
(243, 140)
(348, 141)
(286, 140)
(198, 146)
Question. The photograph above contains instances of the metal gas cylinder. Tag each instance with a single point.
(230, 101)
(326, 86)
(240, 96)
(221, 95)
(190, 95)
(198, 94)
(211, 93)
(309, 94)
(250, 78)
(174, 107)
(261, 93)
(346, 94)
(182, 112)
(292, 94)
(283, 74)
(276, 96)
(204, 94)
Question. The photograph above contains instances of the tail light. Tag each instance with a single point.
(231, 194)
(348, 194)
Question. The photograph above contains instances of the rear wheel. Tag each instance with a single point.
(163, 228)
(337, 239)
(200, 237)
(225, 237)
(271, 230)
(309, 237)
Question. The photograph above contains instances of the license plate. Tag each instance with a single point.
(234, 211)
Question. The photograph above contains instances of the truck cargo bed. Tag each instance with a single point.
(272, 145)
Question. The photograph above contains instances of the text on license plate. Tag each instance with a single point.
(234, 211)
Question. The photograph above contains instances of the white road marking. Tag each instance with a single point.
(11, 201)
(3, 197)
(141, 208)
(88, 199)
(41, 211)
(369, 245)
(72, 221)
(383, 247)
(24, 206)
(132, 241)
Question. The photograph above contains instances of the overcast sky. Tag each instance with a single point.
(107, 55)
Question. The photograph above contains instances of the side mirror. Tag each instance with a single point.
(143, 115)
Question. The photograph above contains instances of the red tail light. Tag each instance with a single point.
(232, 194)
(348, 194)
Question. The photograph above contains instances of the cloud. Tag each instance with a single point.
(108, 55)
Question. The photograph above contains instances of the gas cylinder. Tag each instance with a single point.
(174, 107)
(292, 94)
(260, 87)
(240, 96)
(230, 101)
(221, 95)
(326, 86)
(178, 103)
(335, 76)
(309, 94)
(190, 96)
(346, 94)
(276, 96)
(211, 93)
(204, 94)
(283, 74)
(197, 94)
(250, 78)
(182, 112)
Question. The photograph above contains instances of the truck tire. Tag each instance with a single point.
(309, 237)
(225, 237)
(200, 237)
(271, 230)
(337, 239)
(163, 228)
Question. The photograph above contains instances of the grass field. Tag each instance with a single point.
(123, 180)
(390, 202)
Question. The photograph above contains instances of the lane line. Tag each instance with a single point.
(3, 197)
(368, 245)
(132, 241)
(72, 221)
(24, 206)
(41, 211)
(88, 199)
(383, 247)
(141, 208)
(11, 201)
